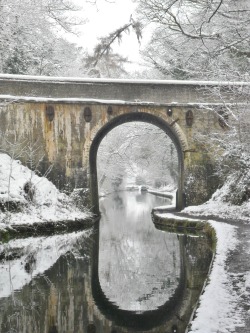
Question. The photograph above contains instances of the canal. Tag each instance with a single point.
(122, 275)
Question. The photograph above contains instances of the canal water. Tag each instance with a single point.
(122, 275)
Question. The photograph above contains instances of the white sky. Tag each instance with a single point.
(103, 18)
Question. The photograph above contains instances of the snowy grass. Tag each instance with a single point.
(218, 207)
(47, 204)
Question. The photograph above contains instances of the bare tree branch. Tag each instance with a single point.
(105, 44)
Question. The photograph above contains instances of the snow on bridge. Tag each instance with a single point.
(61, 122)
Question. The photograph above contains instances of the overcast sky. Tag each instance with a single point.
(103, 18)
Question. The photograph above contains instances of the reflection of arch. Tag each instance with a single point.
(129, 117)
(146, 320)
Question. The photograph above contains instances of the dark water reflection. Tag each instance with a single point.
(123, 276)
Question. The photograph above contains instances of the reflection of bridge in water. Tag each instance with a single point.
(173, 305)
(72, 296)
(165, 315)
(64, 120)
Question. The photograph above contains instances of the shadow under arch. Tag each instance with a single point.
(131, 117)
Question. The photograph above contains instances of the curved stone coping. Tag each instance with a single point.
(162, 194)
(184, 225)
(194, 227)
(44, 228)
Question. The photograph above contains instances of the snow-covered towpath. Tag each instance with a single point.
(224, 305)
(238, 267)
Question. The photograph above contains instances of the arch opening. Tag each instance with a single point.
(137, 155)
(128, 118)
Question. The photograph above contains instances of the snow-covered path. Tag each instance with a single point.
(238, 270)
(224, 305)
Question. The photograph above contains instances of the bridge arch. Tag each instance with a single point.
(131, 117)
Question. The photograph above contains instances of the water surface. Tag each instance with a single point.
(123, 275)
(139, 266)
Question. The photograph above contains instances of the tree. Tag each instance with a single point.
(110, 65)
(231, 148)
(204, 39)
(103, 61)
(30, 40)
(198, 38)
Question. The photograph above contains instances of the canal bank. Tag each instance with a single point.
(224, 304)
(31, 204)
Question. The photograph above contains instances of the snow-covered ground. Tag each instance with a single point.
(47, 204)
(220, 308)
(218, 207)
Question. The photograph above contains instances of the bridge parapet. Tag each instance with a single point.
(115, 91)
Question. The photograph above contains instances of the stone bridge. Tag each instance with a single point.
(57, 124)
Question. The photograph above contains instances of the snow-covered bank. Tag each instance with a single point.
(221, 210)
(43, 203)
(218, 309)
(218, 207)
